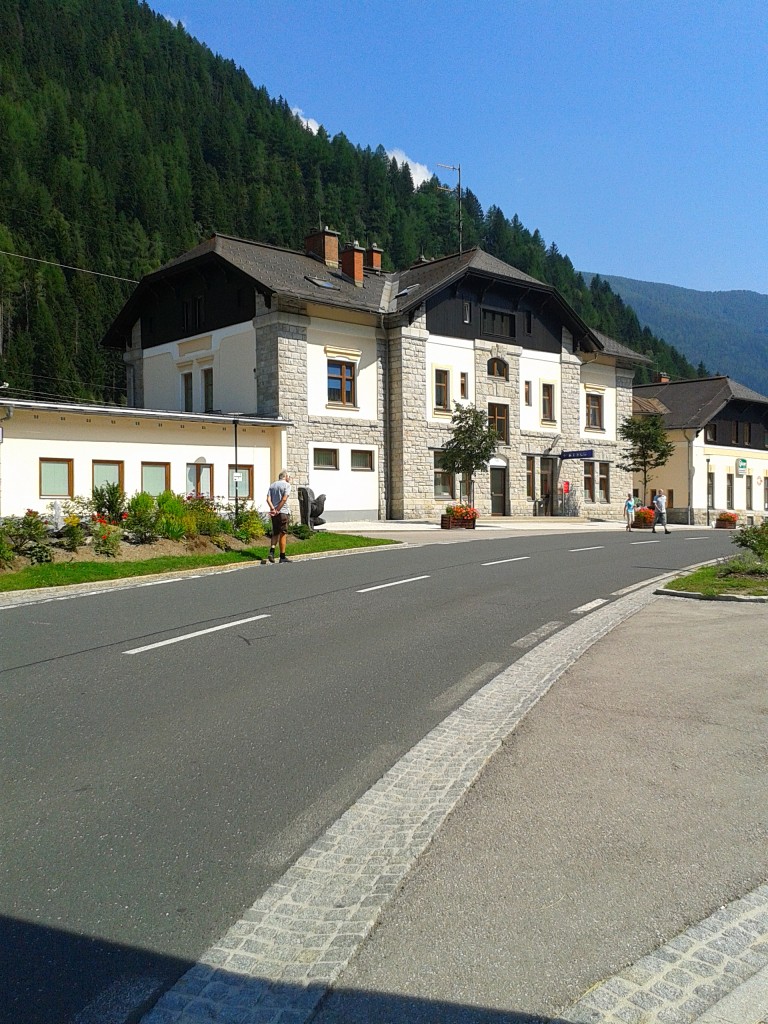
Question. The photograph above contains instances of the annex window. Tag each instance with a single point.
(444, 481)
(498, 418)
(710, 432)
(589, 481)
(528, 322)
(734, 433)
(361, 459)
(155, 477)
(341, 383)
(729, 490)
(107, 473)
(200, 479)
(442, 391)
(464, 385)
(325, 458)
(765, 493)
(530, 477)
(207, 377)
(548, 403)
(57, 478)
(604, 482)
(528, 392)
(242, 487)
(750, 497)
(186, 392)
(710, 489)
(467, 312)
(199, 311)
(500, 325)
(186, 317)
(498, 368)
(594, 411)
(747, 438)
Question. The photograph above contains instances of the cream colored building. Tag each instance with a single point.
(720, 463)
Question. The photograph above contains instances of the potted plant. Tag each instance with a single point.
(459, 516)
(726, 521)
(643, 518)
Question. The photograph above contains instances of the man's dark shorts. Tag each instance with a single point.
(279, 524)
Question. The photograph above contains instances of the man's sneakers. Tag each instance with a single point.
(271, 557)
(283, 559)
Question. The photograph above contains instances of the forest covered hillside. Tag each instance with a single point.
(728, 331)
(126, 141)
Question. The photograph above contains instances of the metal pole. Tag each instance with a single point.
(237, 475)
(707, 492)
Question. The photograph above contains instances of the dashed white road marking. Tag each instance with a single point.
(199, 632)
(397, 583)
(501, 561)
(589, 607)
(537, 635)
(636, 542)
(596, 547)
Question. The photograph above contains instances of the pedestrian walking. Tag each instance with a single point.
(660, 511)
(629, 511)
(277, 499)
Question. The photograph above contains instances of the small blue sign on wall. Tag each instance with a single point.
(587, 453)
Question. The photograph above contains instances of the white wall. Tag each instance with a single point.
(329, 340)
(351, 493)
(457, 355)
(602, 379)
(539, 368)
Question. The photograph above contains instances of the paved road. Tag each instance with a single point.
(133, 823)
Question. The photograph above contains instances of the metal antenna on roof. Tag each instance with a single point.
(444, 188)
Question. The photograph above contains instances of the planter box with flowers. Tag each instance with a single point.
(643, 518)
(726, 521)
(459, 517)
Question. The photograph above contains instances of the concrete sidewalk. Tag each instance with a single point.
(609, 863)
(585, 839)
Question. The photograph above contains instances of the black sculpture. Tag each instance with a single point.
(311, 507)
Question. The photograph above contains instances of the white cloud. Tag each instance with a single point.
(175, 21)
(419, 172)
(308, 122)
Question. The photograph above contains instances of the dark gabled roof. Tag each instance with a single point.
(693, 403)
(299, 276)
(286, 272)
(615, 348)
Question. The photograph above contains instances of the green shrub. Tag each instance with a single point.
(109, 503)
(6, 551)
(300, 530)
(205, 514)
(250, 524)
(73, 534)
(189, 523)
(40, 553)
(170, 527)
(142, 518)
(754, 539)
(25, 531)
(106, 538)
(171, 505)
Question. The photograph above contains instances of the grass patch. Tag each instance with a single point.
(60, 574)
(740, 575)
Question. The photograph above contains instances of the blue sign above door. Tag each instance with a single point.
(587, 453)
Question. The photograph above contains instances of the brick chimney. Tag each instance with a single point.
(325, 245)
(662, 378)
(352, 263)
(373, 256)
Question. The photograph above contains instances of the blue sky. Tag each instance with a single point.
(633, 135)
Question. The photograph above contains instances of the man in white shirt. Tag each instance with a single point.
(660, 511)
(277, 499)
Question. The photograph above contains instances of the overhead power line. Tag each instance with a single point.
(64, 266)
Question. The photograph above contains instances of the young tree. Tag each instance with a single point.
(471, 446)
(648, 446)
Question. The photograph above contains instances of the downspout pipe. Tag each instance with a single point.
(690, 439)
(8, 414)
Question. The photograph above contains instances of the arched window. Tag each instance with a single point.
(498, 368)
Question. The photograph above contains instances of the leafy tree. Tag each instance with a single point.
(471, 446)
(648, 446)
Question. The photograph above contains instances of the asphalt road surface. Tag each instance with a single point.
(169, 749)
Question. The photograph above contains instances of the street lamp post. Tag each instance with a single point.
(707, 492)
(237, 472)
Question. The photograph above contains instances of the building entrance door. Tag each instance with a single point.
(548, 483)
(498, 491)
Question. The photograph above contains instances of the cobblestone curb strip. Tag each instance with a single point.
(276, 963)
(680, 981)
(754, 598)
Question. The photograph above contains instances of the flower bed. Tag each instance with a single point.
(643, 518)
(726, 521)
(458, 517)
